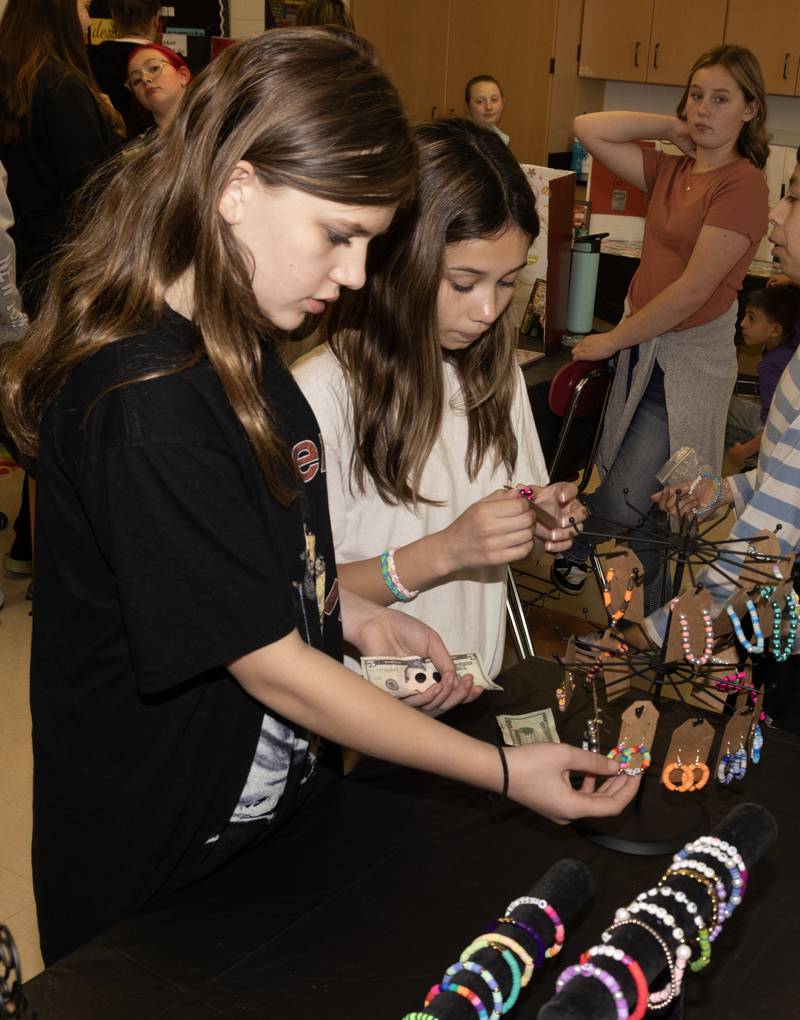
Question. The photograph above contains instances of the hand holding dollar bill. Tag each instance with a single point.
(404, 675)
(537, 727)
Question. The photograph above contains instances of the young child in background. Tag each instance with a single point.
(770, 321)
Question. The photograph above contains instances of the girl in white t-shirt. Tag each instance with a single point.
(423, 410)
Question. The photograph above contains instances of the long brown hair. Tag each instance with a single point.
(387, 339)
(311, 109)
(33, 32)
(744, 68)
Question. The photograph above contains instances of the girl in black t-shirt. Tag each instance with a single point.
(186, 585)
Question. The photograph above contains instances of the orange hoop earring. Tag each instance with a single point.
(687, 775)
(698, 784)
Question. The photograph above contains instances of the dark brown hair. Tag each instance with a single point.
(780, 304)
(387, 336)
(476, 81)
(325, 12)
(33, 32)
(745, 69)
(131, 16)
(339, 132)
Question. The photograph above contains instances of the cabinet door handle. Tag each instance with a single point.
(655, 56)
(433, 112)
(786, 67)
(636, 54)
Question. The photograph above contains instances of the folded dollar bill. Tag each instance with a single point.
(404, 675)
(537, 727)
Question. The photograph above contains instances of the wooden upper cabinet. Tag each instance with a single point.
(773, 34)
(615, 39)
(513, 39)
(673, 49)
(411, 37)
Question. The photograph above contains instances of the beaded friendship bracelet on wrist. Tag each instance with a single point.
(390, 578)
(699, 511)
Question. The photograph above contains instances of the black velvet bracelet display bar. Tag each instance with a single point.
(751, 830)
(566, 887)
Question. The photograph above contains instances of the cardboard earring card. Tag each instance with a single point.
(690, 744)
(704, 682)
(639, 723)
(758, 568)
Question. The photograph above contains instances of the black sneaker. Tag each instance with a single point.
(568, 576)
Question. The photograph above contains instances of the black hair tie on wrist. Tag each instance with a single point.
(497, 799)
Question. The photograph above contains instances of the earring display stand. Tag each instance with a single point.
(694, 654)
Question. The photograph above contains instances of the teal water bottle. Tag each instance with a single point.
(583, 284)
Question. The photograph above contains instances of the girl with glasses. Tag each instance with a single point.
(158, 77)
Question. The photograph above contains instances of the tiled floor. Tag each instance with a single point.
(16, 767)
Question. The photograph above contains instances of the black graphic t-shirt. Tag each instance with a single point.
(161, 556)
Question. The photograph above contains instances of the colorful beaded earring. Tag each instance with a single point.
(756, 744)
(755, 647)
(615, 615)
(731, 681)
(625, 756)
(782, 652)
(697, 660)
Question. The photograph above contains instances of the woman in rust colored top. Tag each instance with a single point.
(676, 361)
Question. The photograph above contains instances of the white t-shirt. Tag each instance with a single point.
(469, 611)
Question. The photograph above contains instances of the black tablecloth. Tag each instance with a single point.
(356, 907)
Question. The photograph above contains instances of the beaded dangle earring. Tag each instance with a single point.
(755, 647)
(708, 648)
(686, 774)
(756, 744)
(615, 615)
(782, 652)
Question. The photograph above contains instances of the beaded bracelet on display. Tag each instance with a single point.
(702, 934)
(493, 940)
(730, 856)
(755, 647)
(533, 935)
(390, 578)
(591, 970)
(732, 682)
(707, 878)
(662, 998)
(635, 971)
(708, 648)
(699, 511)
(488, 979)
(738, 875)
(552, 915)
(463, 991)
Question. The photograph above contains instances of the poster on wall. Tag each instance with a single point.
(188, 27)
